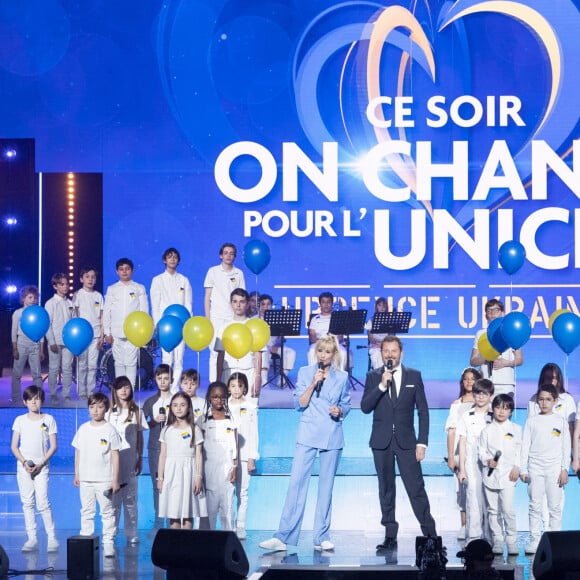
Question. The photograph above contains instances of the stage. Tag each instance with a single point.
(356, 526)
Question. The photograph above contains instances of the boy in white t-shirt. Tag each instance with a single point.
(97, 445)
(189, 385)
(33, 444)
(89, 305)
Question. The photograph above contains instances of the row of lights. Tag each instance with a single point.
(71, 198)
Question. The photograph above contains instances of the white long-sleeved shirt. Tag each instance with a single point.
(167, 289)
(17, 333)
(507, 438)
(120, 300)
(546, 442)
(60, 311)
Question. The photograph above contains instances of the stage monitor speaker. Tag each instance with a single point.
(83, 560)
(199, 555)
(557, 556)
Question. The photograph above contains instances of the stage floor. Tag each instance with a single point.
(352, 549)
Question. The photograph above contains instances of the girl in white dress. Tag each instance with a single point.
(180, 472)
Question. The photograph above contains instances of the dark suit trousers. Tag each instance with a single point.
(412, 476)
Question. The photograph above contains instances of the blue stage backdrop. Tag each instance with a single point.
(377, 148)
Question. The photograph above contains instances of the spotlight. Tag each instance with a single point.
(11, 221)
(11, 289)
(9, 153)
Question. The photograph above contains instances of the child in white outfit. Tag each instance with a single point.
(23, 348)
(130, 422)
(470, 468)
(89, 305)
(245, 414)
(500, 445)
(220, 448)
(180, 471)
(33, 444)
(97, 445)
(545, 460)
(189, 385)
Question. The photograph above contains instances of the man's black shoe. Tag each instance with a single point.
(388, 544)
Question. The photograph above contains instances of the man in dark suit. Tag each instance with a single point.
(392, 393)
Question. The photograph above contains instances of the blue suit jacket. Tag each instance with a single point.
(396, 420)
(317, 428)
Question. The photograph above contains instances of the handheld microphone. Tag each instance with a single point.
(319, 383)
(109, 492)
(389, 367)
(31, 464)
(495, 458)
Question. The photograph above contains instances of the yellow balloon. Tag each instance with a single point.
(138, 328)
(260, 333)
(485, 349)
(237, 340)
(198, 332)
(555, 315)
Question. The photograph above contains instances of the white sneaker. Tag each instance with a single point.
(531, 548)
(52, 544)
(497, 549)
(273, 544)
(461, 533)
(513, 549)
(108, 550)
(30, 545)
(324, 546)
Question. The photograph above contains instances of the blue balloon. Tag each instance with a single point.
(178, 311)
(511, 256)
(34, 322)
(566, 331)
(256, 255)
(495, 336)
(516, 329)
(77, 335)
(169, 332)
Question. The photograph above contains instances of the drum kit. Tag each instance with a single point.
(145, 367)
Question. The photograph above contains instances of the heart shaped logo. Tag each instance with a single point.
(483, 49)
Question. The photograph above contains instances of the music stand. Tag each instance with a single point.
(347, 322)
(391, 322)
(283, 323)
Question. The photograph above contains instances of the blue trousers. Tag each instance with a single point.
(293, 512)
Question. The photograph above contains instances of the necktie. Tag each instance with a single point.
(394, 388)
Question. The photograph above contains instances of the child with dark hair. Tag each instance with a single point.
(155, 410)
(123, 298)
(470, 427)
(500, 445)
(221, 456)
(171, 287)
(180, 471)
(551, 374)
(456, 411)
(23, 348)
(33, 444)
(245, 413)
(97, 445)
(545, 460)
(189, 385)
(130, 423)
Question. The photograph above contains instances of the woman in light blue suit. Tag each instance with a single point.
(322, 397)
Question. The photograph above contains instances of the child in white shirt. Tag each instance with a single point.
(500, 445)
